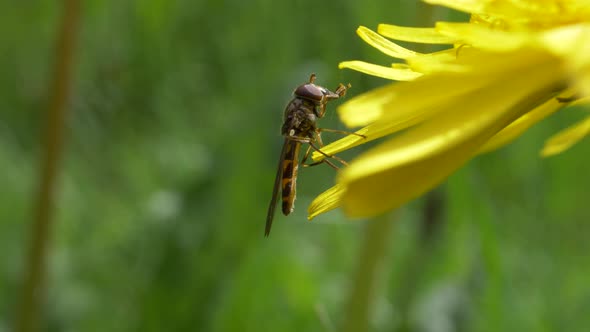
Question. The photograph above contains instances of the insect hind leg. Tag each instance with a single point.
(342, 132)
(342, 161)
(313, 146)
(326, 160)
(303, 164)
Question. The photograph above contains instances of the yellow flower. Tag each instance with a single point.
(515, 63)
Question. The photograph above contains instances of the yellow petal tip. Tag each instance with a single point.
(326, 201)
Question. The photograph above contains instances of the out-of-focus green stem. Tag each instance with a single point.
(377, 234)
(33, 290)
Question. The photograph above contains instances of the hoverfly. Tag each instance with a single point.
(299, 127)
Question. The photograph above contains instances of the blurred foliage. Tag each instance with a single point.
(171, 153)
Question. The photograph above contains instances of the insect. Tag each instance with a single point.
(299, 127)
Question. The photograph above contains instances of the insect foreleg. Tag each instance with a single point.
(318, 137)
(341, 90)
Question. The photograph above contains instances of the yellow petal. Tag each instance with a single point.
(417, 160)
(582, 82)
(410, 98)
(420, 101)
(405, 118)
(516, 128)
(572, 43)
(468, 6)
(416, 35)
(519, 12)
(484, 38)
(383, 103)
(581, 101)
(396, 74)
(384, 45)
(442, 61)
(399, 106)
(566, 138)
(326, 201)
(367, 107)
(370, 133)
(403, 66)
(568, 41)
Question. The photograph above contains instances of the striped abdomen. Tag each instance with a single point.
(289, 170)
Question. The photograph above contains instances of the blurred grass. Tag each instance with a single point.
(171, 154)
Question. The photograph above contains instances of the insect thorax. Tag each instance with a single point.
(299, 118)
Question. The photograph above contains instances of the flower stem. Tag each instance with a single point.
(33, 290)
(377, 234)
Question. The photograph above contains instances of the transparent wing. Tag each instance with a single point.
(275, 190)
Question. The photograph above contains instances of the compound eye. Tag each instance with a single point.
(310, 91)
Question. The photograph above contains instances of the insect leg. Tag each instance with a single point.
(327, 161)
(340, 92)
(307, 156)
(315, 163)
(341, 89)
(319, 139)
(322, 110)
(318, 136)
(312, 145)
(343, 132)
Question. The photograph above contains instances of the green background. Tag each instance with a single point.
(171, 152)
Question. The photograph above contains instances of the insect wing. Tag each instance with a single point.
(275, 191)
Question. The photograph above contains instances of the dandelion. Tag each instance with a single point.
(513, 64)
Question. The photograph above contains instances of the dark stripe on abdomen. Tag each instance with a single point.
(289, 180)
